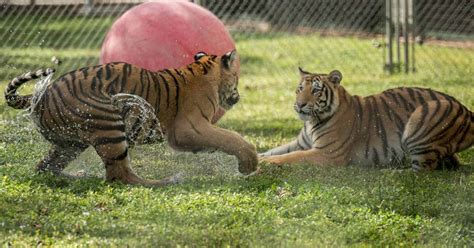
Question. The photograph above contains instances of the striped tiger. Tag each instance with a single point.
(113, 106)
(419, 125)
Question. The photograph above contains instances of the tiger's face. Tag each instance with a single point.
(229, 79)
(316, 95)
(228, 92)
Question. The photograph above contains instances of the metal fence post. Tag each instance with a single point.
(389, 34)
(413, 35)
(405, 37)
(88, 7)
(397, 33)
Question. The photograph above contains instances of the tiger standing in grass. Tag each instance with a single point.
(114, 106)
(423, 125)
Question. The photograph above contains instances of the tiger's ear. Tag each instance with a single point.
(229, 58)
(199, 55)
(335, 77)
(303, 73)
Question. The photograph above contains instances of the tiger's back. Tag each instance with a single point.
(384, 123)
(93, 88)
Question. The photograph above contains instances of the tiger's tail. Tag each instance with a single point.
(22, 102)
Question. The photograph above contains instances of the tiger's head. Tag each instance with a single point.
(316, 95)
(228, 71)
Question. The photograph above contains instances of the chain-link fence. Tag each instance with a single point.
(350, 35)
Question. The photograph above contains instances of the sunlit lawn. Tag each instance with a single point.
(299, 205)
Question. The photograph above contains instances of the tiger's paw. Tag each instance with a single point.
(248, 164)
(257, 172)
(276, 160)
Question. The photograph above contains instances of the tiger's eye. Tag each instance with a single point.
(299, 89)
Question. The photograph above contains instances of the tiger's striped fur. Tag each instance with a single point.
(21, 102)
(423, 125)
(105, 106)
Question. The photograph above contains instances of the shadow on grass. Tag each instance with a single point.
(265, 127)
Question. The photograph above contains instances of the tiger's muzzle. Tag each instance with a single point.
(233, 99)
(303, 110)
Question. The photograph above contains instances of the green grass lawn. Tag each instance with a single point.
(299, 205)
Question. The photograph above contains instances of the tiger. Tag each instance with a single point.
(104, 106)
(406, 126)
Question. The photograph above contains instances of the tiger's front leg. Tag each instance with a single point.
(302, 142)
(283, 149)
(189, 136)
(312, 156)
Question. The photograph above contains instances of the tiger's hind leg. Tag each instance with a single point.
(435, 131)
(59, 157)
(434, 162)
(449, 163)
(113, 151)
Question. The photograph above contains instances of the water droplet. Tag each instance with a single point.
(56, 60)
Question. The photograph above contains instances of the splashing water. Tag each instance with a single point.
(138, 112)
(17, 128)
(40, 88)
(20, 124)
(206, 164)
(156, 161)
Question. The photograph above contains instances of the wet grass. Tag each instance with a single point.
(286, 206)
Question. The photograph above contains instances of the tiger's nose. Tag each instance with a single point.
(300, 105)
(233, 99)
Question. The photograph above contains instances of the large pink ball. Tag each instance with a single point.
(165, 34)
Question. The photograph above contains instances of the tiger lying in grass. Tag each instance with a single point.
(424, 125)
(113, 106)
